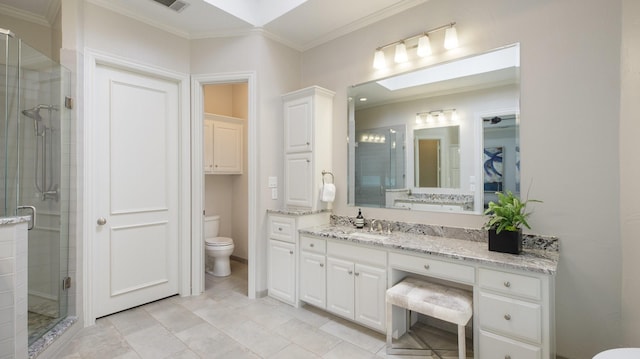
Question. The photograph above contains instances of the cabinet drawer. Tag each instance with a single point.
(511, 317)
(282, 228)
(360, 254)
(312, 244)
(495, 346)
(510, 283)
(432, 267)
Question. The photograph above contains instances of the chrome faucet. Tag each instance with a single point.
(373, 221)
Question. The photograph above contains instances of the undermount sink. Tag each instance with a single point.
(368, 235)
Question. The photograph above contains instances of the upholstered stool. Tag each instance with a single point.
(620, 353)
(449, 304)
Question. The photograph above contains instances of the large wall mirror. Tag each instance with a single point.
(440, 138)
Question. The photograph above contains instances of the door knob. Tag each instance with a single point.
(101, 221)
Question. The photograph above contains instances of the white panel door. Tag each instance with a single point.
(340, 287)
(298, 184)
(282, 271)
(298, 119)
(313, 279)
(136, 187)
(371, 286)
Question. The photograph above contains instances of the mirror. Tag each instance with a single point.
(439, 138)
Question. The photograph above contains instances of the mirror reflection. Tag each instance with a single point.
(441, 138)
(437, 157)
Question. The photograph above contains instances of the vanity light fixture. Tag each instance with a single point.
(423, 46)
(439, 116)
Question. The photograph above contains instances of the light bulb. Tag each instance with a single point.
(451, 38)
(401, 53)
(379, 61)
(424, 46)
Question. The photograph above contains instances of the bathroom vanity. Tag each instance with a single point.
(347, 271)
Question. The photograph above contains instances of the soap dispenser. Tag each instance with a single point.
(359, 219)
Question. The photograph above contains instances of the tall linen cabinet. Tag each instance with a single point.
(307, 145)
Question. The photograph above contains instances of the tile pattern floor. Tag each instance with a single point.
(224, 323)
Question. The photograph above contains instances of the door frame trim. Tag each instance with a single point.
(93, 58)
(197, 193)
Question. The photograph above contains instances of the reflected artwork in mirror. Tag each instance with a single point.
(440, 138)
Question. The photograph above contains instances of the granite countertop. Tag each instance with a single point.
(296, 211)
(532, 260)
(14, 220)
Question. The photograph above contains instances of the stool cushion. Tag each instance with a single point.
(445, 303)
(620, 353)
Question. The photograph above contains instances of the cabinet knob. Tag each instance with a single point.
(311, 245)
(426, 266)
(350, 272)
(290, 252)
(507, 316)
(308, 143)
(507, 284)
(507, 356)
(321, 264)
(280, 229)
(357, 273)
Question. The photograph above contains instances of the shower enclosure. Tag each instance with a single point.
(34, 172)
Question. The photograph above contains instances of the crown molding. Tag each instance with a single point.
(53, 10)
(24, 15)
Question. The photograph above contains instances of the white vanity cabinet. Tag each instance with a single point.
(313, 273)
(223, 144)
(307, 145)
(356, 283)
(513, 311)
(283, 246)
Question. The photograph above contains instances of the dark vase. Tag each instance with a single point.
(505, 241)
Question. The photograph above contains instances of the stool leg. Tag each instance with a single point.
(462, 347)
(389, 327)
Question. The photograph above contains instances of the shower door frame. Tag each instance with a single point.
(93, 59)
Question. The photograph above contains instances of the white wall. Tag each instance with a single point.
(570, 65)
(630, 172)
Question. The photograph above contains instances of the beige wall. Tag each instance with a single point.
(35, 35)
(630, 172)
(570, 84)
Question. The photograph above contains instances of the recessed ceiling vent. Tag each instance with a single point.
(175, 5)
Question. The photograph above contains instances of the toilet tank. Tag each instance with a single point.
(211, 226)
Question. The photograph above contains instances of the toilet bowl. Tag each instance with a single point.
(620, 353)
(218, 248)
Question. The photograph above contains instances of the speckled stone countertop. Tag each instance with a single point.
(296, 211)
(14, 220)
(533, 260)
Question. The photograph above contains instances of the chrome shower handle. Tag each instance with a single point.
(33, 215)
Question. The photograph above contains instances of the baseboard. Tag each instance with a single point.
(238, 259)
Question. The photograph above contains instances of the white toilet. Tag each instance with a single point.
(218, 248)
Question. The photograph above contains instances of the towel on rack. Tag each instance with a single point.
(328, 192)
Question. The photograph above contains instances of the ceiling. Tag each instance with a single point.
(301, 24)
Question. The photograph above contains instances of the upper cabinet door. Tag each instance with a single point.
(298, 124)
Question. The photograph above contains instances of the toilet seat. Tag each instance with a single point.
(218, 241)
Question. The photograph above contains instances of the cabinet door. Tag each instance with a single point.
(298, 180)
(313, 276)
(340, 287)
(282, 271)
(208, 146)
(370, 289)
(227, 147)
(298, 118)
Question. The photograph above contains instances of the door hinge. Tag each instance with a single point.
(68, 102)
(66, 283)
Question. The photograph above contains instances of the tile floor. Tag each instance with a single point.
(224, 323)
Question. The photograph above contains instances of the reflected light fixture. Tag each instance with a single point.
(440, 116)
(401, 53)
(421, 42)
(424, 46)
(451, 38)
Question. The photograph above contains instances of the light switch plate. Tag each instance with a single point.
(273, 182)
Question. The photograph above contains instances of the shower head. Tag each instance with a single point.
(33, 113)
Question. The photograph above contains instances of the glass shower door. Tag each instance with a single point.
(42, 190)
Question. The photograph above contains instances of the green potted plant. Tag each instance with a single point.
(506, 218)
